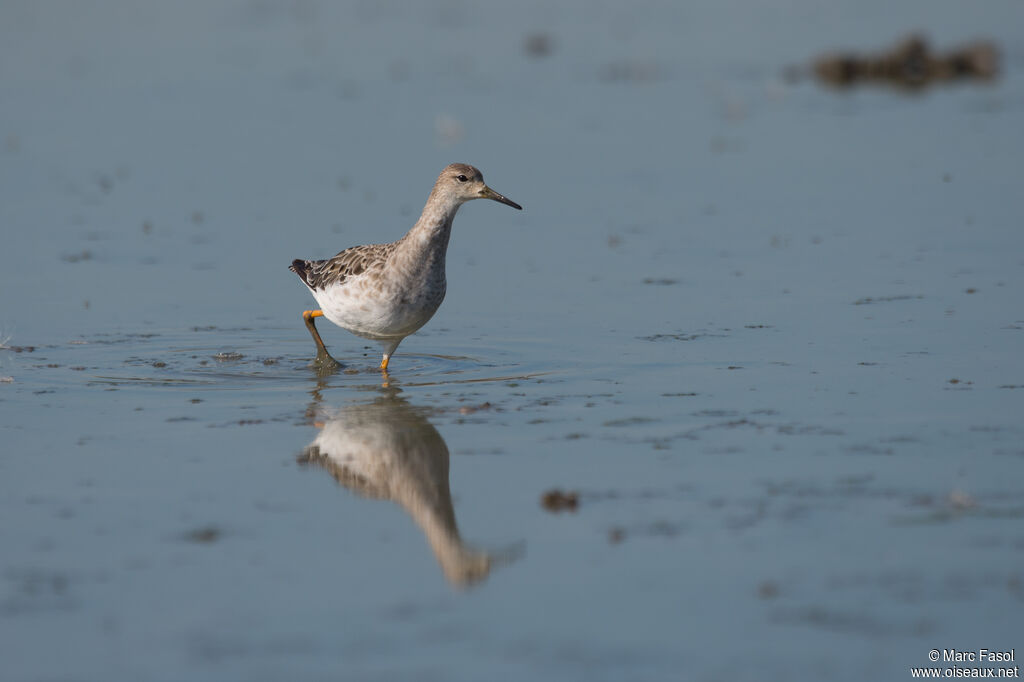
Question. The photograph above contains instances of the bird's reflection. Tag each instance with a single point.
(386, 449)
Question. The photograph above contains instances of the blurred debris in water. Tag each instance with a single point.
(556, 500)
(910, 64)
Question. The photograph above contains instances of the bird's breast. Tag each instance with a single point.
(383, 308)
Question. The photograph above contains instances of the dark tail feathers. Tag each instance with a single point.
(299, 268)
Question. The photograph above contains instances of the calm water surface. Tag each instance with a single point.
(769, 335)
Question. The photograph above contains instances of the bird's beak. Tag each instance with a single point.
(488, 193)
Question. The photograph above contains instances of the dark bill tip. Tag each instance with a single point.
(488, 193)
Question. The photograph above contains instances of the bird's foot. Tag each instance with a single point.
(324, 364)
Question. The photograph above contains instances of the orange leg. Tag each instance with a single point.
(389, 350)
(323, 358)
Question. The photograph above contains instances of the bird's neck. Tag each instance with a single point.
(432, 231)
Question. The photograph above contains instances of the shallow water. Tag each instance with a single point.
(768, 334)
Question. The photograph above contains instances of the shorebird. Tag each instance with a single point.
(385, 292)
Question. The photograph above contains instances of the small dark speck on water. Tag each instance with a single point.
(671, 337)
(204, 535)
(768, 590)
(471, 409)
(556, 500)
(538, 44)
(628, 421)
(77, 257)
(886, 299)
(158, 363)
(19, 349)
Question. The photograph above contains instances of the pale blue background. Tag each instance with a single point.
(804, 493)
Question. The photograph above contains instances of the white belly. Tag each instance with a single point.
(378, 313)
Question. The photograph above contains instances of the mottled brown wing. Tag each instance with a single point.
(320, 274)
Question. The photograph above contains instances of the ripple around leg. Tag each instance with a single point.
(325, 365)
(238, 357)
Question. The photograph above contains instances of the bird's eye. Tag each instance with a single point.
(461, 178)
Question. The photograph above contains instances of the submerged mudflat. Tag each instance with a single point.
(737, 395)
